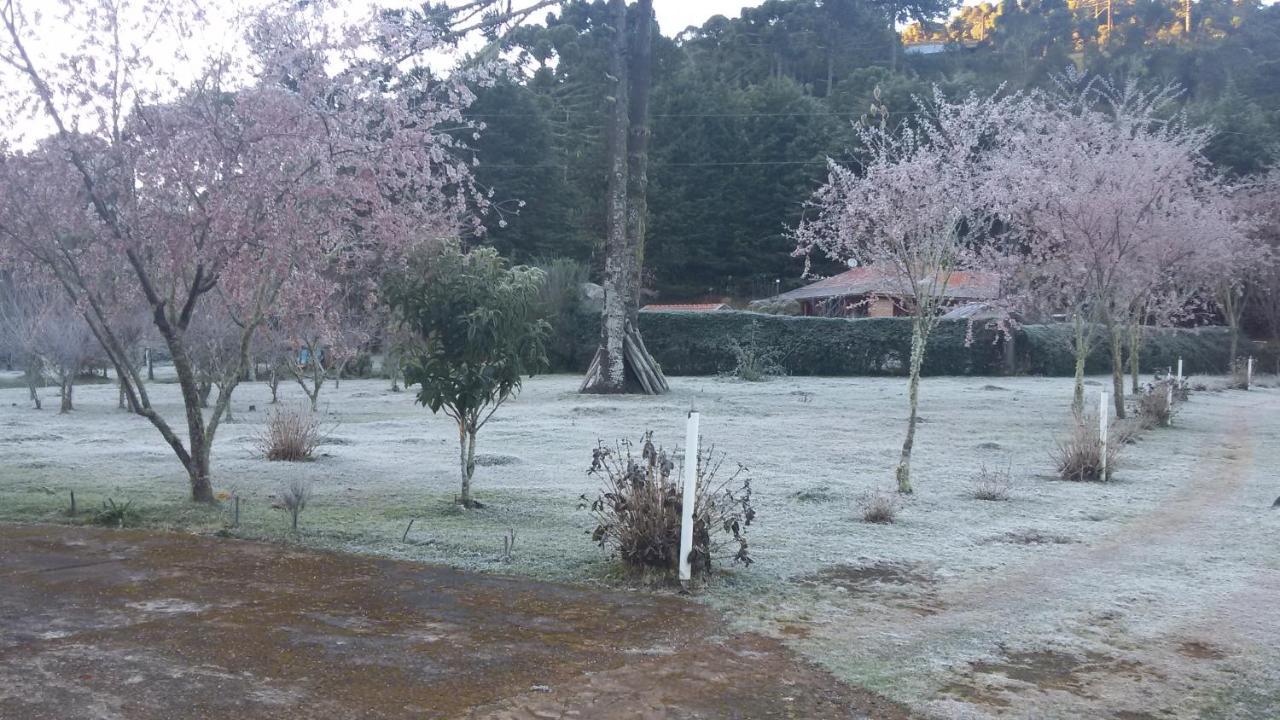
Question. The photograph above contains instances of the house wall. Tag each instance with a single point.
(881, 307)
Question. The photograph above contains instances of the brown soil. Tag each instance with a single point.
(122, 624)
(1037, 670)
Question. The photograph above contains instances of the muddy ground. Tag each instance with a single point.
(109, 624)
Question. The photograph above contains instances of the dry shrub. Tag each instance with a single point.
(1239, 375)
(639, 509)
(294, 496)
(292, 434)
(1156, 404)
(1079, 455)
(878, 506)
(993, 483)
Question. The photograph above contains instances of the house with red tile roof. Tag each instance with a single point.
(872, 291)
(686, 307)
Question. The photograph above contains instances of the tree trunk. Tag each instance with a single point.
(273, 382)
(1135, 351)
(893, 33)
(205, 389)
(1082, 357)
(610, 363)
(639, 75)
(68, 385)
(918, 338)
(467, 456)
(1117, 369)
(33, 384)
(198, 471)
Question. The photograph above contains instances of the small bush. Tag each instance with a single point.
(754, 361)
(1155, 405)
(639, 509)
(879, 506)
(993, 484)
(294, 496)
(292, 434)
(1239, 375)
(115, 514)
(1079, 456)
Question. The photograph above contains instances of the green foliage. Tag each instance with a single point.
(480, 331)
(114, 514)
(574, 329)
(1046, 350)
(704, 344)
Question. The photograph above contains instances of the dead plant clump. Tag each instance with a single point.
(879, 506)
(293, 498)
(1079, 456)
(1157, 404)
(638, 510)
(993, 483)
(292, 434)
(1239, 375)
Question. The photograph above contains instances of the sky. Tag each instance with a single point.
(676, 15)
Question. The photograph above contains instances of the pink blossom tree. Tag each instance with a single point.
(1113, 203)
(919, 209)
(25, 310)
(320, 145)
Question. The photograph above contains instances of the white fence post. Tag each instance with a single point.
(1179, 370)
(1248, 374)
(1102, 433)
(690, 496)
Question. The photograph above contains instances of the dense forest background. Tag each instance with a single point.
(746, 110)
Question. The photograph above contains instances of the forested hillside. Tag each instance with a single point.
(745, 110)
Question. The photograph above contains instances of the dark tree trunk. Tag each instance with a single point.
(622, 364)
(608, 370)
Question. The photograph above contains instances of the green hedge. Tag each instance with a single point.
(703, 344)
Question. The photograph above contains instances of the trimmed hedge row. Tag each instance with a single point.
(704, 344)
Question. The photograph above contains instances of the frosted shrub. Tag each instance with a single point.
(993, 484)
(639, 508)
(292, 433)
(1239, 375)
(294, 496)
(753, 360)
(1079, 455)
(878, 507)
(1156, 404)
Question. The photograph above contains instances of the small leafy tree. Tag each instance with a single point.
(478, 330)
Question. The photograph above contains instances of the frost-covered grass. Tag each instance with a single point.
(1178, 548)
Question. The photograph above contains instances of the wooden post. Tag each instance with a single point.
(1102, 432)
(690, 496)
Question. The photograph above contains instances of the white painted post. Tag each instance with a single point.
(1102, 432)
(690, 495)
(1248, 374)
(1179, 370)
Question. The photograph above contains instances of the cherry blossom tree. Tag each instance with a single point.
(1114, 205)
(920, 209)
(311, 146)
(25, 309)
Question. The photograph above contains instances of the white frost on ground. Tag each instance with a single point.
(1156, 593)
